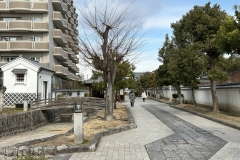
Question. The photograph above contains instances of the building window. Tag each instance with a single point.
(35, 59)
(33, 38)
(36, 19)
(9, 19)
(19, 78)
(8, 59)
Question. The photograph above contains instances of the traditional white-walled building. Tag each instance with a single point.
(23, 78)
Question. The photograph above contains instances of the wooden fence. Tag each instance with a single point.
(87, 102)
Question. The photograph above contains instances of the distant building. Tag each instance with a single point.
(137, 75)
(44, 31)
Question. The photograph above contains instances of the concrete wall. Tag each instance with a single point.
(25, 121)
(228, 96)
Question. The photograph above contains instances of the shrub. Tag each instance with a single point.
(86, 94)
(69, 93)
(78, 92)
(62, 94)
(175, 95)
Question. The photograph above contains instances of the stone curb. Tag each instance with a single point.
(235, 126)
(22, 149)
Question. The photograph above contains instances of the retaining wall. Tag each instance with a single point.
(26, 121)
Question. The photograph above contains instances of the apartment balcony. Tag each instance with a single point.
(76, 31)
(69, 2)
(24, 46)
(71, 20)
(70, 40)
(61, 6)
(59, 37)
(75, 59)
(60, 54)
(70, 51)
(75, 27)
(60, 70)
(69, 14)
(59, 21)
(72, 9)
(75, 49)
(75, 15)
(71, 32)
(71, 76)
(66, 72)
(69, 26)
(23, 6)
(23, 26)
(76, 22)
(65, 63)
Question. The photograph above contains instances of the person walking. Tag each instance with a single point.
(132, 98)
(144, 96)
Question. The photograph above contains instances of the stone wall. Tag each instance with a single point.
(26, 121)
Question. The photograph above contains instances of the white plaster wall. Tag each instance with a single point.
(9, 79)
(47, 77)
(228, 98)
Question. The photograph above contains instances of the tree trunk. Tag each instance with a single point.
(161, 93)
(1, 100)
(109, 99)
(193, 97)
(214, 96)
(115, 99)
(179, 94)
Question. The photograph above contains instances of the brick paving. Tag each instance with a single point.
(188, 142)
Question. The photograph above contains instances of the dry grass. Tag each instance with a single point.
(7, 111)
(224, 116)
(95, 125)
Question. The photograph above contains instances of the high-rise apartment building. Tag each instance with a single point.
(44, 31)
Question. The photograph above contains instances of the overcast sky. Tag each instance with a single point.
(157, 16)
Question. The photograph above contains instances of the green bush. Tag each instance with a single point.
(69, 93)
(62, 94)
(86, 94)
(175, 95)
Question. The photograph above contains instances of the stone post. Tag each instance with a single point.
(170, 93)
(78, 123)
(25, 104)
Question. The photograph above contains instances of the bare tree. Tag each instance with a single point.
(109, 36)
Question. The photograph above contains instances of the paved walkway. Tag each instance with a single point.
(166, 133)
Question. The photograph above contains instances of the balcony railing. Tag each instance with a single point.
(72, 9)
(75, 15)
(59, 37)
(23, 25)
(69, 2)
(24, 46)
(71, 20)
(61, 6)
(60, 70)
(59, 21)
(60, 54)
(24, 6)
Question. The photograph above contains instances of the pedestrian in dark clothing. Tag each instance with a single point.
(132, 98)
